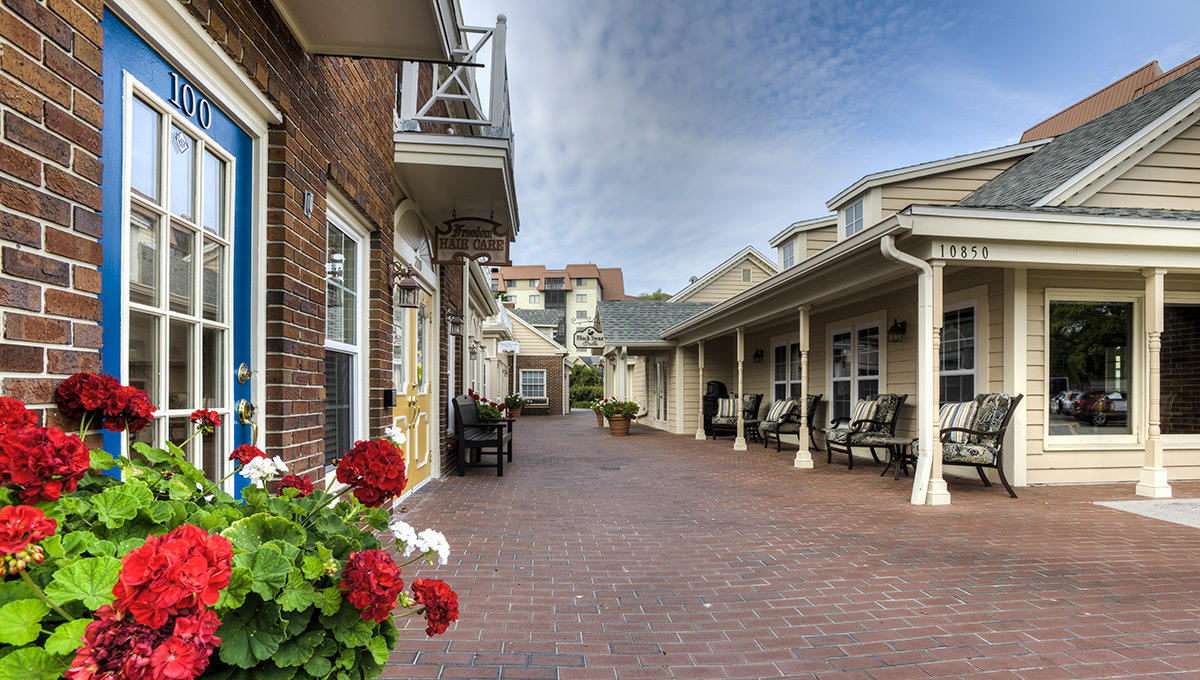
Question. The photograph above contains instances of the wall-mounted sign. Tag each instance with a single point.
(506, 346)
(462, 239)
(589, 338)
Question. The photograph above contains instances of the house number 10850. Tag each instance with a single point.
(192, 104)
(956, 251)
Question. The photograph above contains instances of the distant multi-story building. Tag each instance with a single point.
(567, 297)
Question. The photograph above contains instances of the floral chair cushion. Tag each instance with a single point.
(750, 403)
(885, 407)
(976, 454)
(991, 410)
(868, 437)
(724, 420)
(957, 414)
(780, 409)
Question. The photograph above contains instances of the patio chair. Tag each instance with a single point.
(725, 422)
(871, 420)
(787, 421)
(981, 445)
(491, 438)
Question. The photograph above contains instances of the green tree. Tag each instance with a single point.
(658, 294)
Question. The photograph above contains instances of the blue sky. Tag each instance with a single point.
(661, 136)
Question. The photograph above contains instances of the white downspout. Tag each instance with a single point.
(926, 409)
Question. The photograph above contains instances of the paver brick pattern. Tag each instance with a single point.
(659, 556)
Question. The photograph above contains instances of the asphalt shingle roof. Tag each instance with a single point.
(1141, 213)
(643, 320)
(540, 317)
(1040, 172)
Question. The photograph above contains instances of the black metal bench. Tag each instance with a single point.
(487, 439)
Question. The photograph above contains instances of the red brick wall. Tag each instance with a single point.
(50, 172)
(553, 366)
(337, 130)
(451, 278)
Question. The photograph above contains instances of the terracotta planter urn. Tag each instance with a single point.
(515, 412)
(599, 419)
(618, 426)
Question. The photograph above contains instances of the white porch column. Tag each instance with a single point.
(1016, 371)
(803, 454)
(700, 391)
(739, 444)
(1153, 478)
(938, 494)
(623, 372)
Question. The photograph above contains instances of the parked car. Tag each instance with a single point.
(1064, 402)
(1100, 407)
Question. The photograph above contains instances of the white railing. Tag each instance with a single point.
(453, 105)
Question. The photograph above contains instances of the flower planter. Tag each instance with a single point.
(599, 419)
(618, 426)
(514, 412)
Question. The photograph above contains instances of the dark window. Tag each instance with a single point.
(555, 284)
(339, 416)
(1180, 365)
(556, 299)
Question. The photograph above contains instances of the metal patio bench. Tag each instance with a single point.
(788, 421)
(486, 438)
(872, 420)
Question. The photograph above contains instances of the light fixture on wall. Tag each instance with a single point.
(406, 285)
(897, 330)
(455, 321)
(473, 353)
(758, 356)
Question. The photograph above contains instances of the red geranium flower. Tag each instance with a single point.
(14, 415)
(375, 469)
(42, 462)
(21, 526)
(246, 453)
(116, 647)
(296, 482)
(371, 582)
(207, 421)
(177, 573)
(119, 407)
(128, 409)
(441, 604)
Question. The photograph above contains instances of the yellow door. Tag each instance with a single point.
(410, 369)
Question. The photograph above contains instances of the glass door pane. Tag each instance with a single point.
(339, 424)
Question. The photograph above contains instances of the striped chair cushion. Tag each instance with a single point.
(863, 410)
(779, 409)
(960, 414)
(727, 407)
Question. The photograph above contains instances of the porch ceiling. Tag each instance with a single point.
(388, 29)
(467, 176)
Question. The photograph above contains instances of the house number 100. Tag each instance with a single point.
(192, 104)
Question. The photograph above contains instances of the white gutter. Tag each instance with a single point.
(925, 405)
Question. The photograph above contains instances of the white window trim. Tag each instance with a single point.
(535, 299)
(581, 298)
(747, 275)
(787, 254)
(852, 326)
(847, 223)
(341, 214)
(974, 371)
(1138, 380)
(545, 398)
(786, 343)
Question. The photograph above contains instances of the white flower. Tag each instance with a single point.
(396, 434)
(405, 535)
(433, 541)
(260, 470)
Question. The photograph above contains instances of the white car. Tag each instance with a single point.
(1063, 401)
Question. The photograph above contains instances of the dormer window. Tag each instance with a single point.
(787, 255)
(853, 214)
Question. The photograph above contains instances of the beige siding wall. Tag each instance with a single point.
(688, 419)
(942, 188)
(730, 283)
(820, 239)
(531, 343)
(1167, 178)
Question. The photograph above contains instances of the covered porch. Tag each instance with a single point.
(1027, 305)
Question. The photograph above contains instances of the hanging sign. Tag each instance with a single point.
(506, 346)
(589, 338)
(462, 239)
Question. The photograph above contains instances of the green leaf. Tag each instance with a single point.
(329, 601)
(101, 548)
(177, 490)
(30, 663)
(356, 635)
(11, 591)
(299, 593)
(249, 635)
(298, 650)
(75, 542)
(318, 666)
(67, 637)
(115, 505)
(176, 451)
(102, 460)
(240, 582)
(160, 512)
(89, 580)
(378, 647)
(127, 545)
(21, 621)
(251, 533)
(270, 569)
(152, 455)
(297, 622)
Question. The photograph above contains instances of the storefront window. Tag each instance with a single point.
(343, 355)
(533, 384)
(957, 370)
(1180, 366)
(1090, 356)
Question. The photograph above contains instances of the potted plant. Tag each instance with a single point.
(489, 411)
(620, 414)
(163, 574)
(514, 403)
(596, 405)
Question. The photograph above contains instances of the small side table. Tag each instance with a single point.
(899, 453)
(750, 428)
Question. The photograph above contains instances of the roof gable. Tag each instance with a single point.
(749, 254)
(534, 341)
(803, 225)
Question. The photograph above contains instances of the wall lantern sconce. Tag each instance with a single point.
(474, 353)
(406, 285)
(455, 321)
(758, 356)
(897, 330)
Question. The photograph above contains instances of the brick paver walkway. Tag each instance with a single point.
(657, 556)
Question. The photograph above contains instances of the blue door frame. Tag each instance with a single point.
(126, 52)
